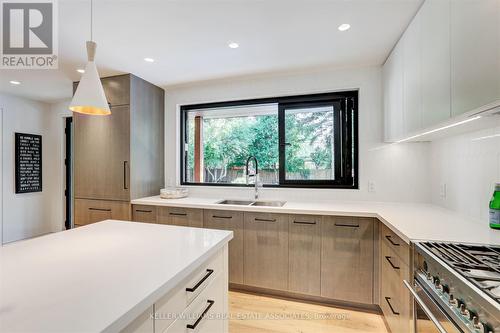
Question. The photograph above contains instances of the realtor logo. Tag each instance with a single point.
(29, 34)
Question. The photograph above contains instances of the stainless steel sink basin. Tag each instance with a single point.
(269, 203)
(236, 202)
(252, 203)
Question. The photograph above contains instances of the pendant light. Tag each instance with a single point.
(89, 97)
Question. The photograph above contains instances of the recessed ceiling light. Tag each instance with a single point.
(81, 71)
(15, 82)
(233, 45)
(149, 60)
(344, 27)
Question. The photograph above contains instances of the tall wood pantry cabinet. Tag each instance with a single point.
(120, 157)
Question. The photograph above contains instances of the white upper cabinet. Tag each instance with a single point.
(412, 77)
(435, 85)
(393, 94)
(475, 68)
(447, 63)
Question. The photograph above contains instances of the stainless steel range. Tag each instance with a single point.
(456, 288)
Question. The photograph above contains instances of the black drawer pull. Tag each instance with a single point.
(203, 314)
(221, 217)
(264, 220)
(388, 258)
(347, 225)
(389, 238)
(193, 289)
(125, 185)
(304, 222)
(101, 209)
(388, 300)
(143, 211)
(178, 214)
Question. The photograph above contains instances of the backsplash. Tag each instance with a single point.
(464, 170)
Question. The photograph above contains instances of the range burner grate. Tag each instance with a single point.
(478, 264)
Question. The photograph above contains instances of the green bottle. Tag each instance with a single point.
(495, 208)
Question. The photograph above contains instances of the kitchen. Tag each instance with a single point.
(333, 168)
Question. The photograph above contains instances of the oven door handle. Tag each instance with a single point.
(424, 307)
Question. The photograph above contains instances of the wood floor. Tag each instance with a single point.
(254, 313)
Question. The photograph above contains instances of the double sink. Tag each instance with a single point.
(252, 203)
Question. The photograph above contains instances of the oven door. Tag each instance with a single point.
(428, 316)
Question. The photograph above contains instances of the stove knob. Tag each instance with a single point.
(463, 310)
(477, 324)
(453, 301)
(445, 289)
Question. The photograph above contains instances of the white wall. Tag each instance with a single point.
(400, 172)
(469, 165)
(31, 214)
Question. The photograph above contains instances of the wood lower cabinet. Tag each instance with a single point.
(395, 300)
(144, 213)
(185, 217)
(92, 211)
(266, 250)
(229, 220)
(347, 261)
(304, 261)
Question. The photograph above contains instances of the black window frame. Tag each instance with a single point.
(346, 127)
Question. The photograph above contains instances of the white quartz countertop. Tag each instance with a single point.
(98, 277)
(410, 221)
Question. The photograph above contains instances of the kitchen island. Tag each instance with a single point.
(113, 276)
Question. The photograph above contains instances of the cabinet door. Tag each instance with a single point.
(412, 78)
(393, 95)
(229, 220)
(144, 213)
(185, 217)
(347, 259)
(304, 254)
(475, 57)
(435, 16)
(92, 211)
(102, 155)
(266, 250)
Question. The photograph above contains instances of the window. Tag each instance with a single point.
(299, 141)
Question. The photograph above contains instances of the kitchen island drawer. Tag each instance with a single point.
(170, 306)
(203, 314)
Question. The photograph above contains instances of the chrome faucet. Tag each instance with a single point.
(255, 175)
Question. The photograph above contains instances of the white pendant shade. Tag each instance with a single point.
(89, 97)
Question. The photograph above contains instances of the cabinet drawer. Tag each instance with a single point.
(144, 213)
(201, 314)
(229, 220)
(168, 308)
(92, 211)
(186, 217)
(393, 241)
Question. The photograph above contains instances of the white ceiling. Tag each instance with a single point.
(188, 39)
